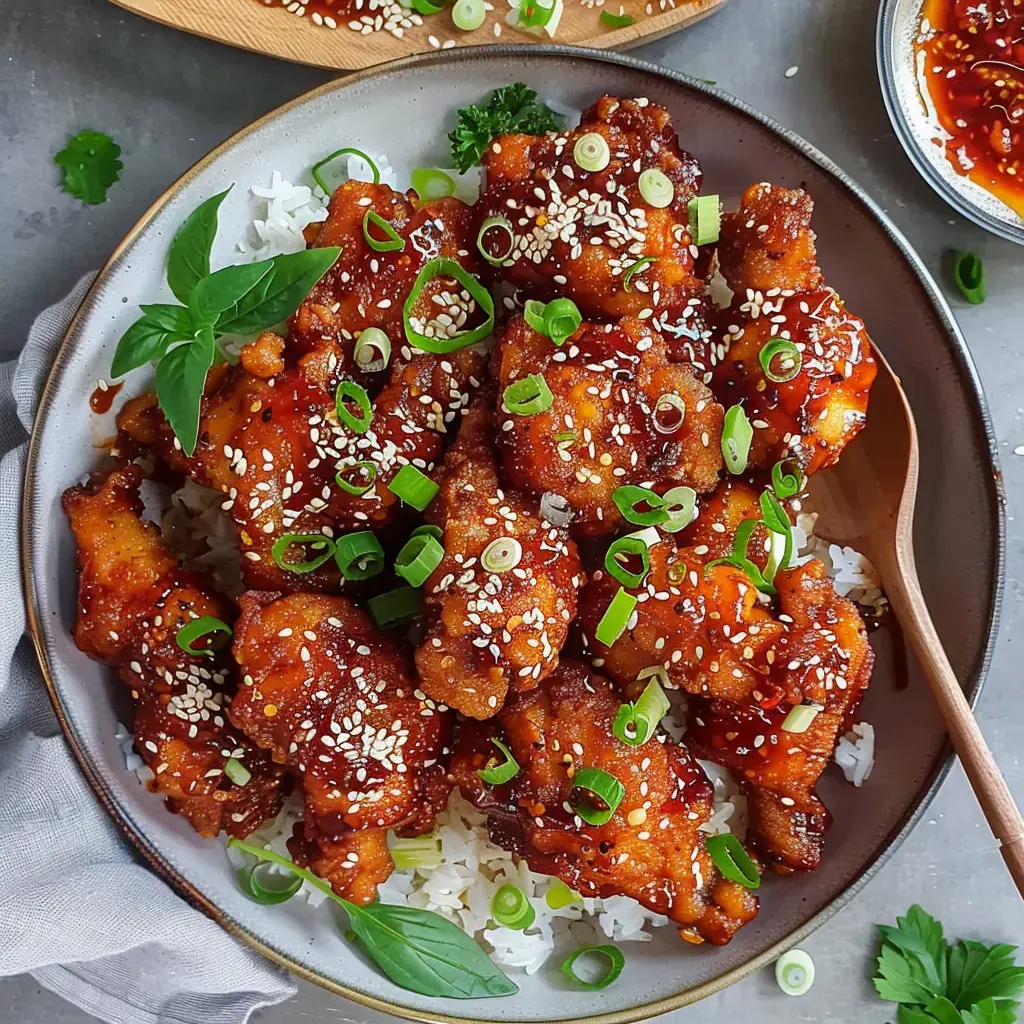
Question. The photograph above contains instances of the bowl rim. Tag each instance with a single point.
(957, 347)
(884, 58)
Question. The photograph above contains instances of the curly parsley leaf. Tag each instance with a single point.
(936, 983)
(91, 164)
(512, 108)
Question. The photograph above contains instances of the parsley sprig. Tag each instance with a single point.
(91, 164)
(512, 108)
(938, 983)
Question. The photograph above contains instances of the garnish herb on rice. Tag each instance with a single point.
(238, 300)
(938, 983)
(417, 949)
(91, 164)
(512, 108)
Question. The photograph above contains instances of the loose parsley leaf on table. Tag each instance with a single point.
(512, 108)
(91, 164)
(936, 983)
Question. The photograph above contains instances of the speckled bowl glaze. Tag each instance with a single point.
(917, 128)
(404, 109)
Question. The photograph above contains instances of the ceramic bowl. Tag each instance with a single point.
(405, 109)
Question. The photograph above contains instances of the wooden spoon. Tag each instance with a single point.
(867, 501)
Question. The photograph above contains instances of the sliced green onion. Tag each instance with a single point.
(418, 852)
(785, 484)
(392, 242)
(502, 555)
(657, 672)
(373, 350)
(394, 608)
(528, 396)
(237, 772)
(368, 471)
(503, 226)
(534, 14)
(323, 546)
(642, 264)
(349, 390)
(413, 487)
(205, 625)
(264, 885)
(969, 274)
(681, 503)
(445, 266)
(359, 555)
(794, 972)
(733, 861)
(615, 619)
(429, 530)
(618, 552)
(497, 773)
(781, 360)
(775, 518)
(559, 895)
(347, 151)
(612, 954)
(669, 413)
(773, 514)
(656, 188)
(562, 319)
(616, 20)
(591, 152)
(799, 718)
(605, 794)
(468, 15)
(511, 908)
(429, 183)
(705, 219)
(739, 560)
(533, 314)
(737, 433)
(419, 557)
(649, 535)
(628, 499)
(426, 7)
(636, 722)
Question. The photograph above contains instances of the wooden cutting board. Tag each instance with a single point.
(252, 25)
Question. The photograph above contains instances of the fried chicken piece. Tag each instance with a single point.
(652, 849)
(814, 415)
(332, 698)
(777, 769)
(133, 599)
(274, 448)
(719, 515)
(366, 288)
(490, 631)
(577, 233)
(609, 423)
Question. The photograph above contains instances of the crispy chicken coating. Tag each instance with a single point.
(133, 599)
(576, 232)
(775, 276)
(653, 847)
(489, 631)
(332, 698)
(610, 422)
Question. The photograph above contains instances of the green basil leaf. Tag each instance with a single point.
(180, 379)
(221, 292)
(170, 317)
(289, 279)
(149, 338)
(426, 953)
(188, 261)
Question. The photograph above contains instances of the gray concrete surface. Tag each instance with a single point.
(168, 98)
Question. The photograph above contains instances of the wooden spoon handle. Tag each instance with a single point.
(989, 786)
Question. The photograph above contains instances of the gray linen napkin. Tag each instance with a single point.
(77, 909)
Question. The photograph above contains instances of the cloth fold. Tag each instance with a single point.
(82, 914)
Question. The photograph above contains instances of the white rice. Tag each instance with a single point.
(855, 753)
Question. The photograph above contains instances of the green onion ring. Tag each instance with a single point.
(737, 433)
(395, 608)
(591, 152)
(419, 557)
(497, 773)
(674, 421)
(642, 264)
(656, 188)
(681, 503)
(373, 350)
(343, 152)
(533, 314)
(413, 487)
(794, 973)
(628, 497)
(636, 722)
(429, 530)
(511, 908)
(393, 242)
(614, 956)
(445, 266)
(786, 484)
(205, 625)
(969, 275)
(733, 861)
(268, 895)
(600, 784)
(502, 555)
(533, 14)
(559, 895)
(528, 396)
(316, 541)
(615, 619)
(359, 555)
(624, 547)
(784, 350)
(429, 184)
(348, 389)
(800, 717)
(616, 20)
(237, 772)
(504, 225)
(705, 219)
(366, 468)
(562, 319)
(415, 852)
(426, 7)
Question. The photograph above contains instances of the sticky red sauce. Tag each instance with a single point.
(973, 66)
(101, 400)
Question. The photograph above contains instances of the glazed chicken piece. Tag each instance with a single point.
(499, 606)
(622, 413)
(366, 288)
(133, 599)
(577, 233)
(274, 447)
(326, 694)
(768, 258)
(653, 847)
